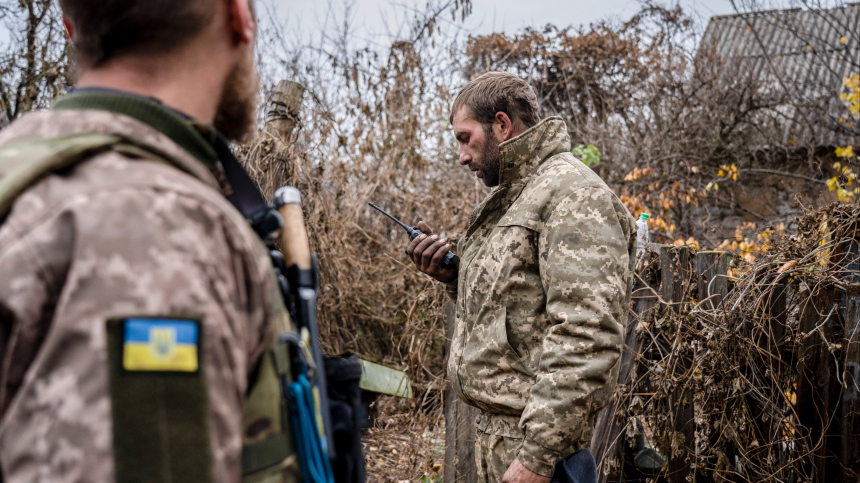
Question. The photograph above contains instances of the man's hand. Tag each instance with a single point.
(427, 252)
(517, 473)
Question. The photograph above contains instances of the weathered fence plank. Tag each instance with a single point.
(676, 267)
(713, 283)
(459, 427)
(813, 381)
(850, 401)
(607, 443)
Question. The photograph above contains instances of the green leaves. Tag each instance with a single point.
(589, 155)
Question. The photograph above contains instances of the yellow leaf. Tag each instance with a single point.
(691, 242)
(837, 165)
(716, 187)
(808, 47)
(846, 152)
(843, 40)
(720, 173)
(734, 168)
(831, 183)
(735, 176)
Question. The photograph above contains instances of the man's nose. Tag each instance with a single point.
(465, 158)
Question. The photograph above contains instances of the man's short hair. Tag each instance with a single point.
(498, 92)
(105, 30)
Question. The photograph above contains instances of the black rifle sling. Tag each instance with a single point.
(246, 197)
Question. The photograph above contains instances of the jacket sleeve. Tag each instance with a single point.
(452, 287)
(584, 267)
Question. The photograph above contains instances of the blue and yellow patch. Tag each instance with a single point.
(160, 345)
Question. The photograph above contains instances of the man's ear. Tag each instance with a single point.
(503, 127)
(68, 26)
(243, 22)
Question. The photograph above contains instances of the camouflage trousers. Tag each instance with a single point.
(496, 442)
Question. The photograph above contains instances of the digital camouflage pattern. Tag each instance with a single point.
(494, 453)
(542, 296)
(117, 237)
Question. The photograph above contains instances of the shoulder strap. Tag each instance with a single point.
(24, 163)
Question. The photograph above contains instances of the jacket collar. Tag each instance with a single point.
(180, 128)
(520, 156)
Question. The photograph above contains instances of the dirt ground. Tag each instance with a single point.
(404, 445)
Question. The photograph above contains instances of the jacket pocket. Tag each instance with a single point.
(499, 329)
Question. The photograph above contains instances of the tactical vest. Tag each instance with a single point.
(268, 453)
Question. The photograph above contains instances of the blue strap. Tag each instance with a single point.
(313, 457)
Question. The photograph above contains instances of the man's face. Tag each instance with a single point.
(479, 148)
(236, 114)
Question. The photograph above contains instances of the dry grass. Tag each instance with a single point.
(403, 447)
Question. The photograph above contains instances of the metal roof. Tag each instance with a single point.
(804, 52)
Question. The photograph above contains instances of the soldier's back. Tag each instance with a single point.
(125, 242)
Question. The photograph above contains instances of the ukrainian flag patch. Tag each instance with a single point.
(168, 345)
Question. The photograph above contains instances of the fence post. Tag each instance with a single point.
(459, 425)
(813, 380)
(283, 114)
(851, 379)
(712, 268)
(608, 441)
(676, 275)
(713, 285)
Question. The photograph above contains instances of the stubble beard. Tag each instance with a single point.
(235, 117)
(490, 160)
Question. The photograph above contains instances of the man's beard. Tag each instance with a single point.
(237, 108)
(490, 159)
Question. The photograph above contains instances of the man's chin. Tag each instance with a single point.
(235, 118)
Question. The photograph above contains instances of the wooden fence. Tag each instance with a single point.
(805, 426)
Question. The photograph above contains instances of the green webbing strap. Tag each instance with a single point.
(266, 408)
(265, 453)
(282, 359)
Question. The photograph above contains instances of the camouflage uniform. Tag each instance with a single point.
(114, 237)
(541, 299)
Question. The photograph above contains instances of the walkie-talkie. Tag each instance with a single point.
(450, 261)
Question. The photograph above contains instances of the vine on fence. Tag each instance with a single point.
(758, 383)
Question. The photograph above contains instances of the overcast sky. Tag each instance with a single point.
(509, 16)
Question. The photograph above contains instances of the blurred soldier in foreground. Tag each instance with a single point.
(136, 302)
(544, 283)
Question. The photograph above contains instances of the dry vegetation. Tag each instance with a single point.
(670, 120)
(34, 65)
(769, 375)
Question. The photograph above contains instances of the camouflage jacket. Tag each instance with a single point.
(541, 298)
(117, 236)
